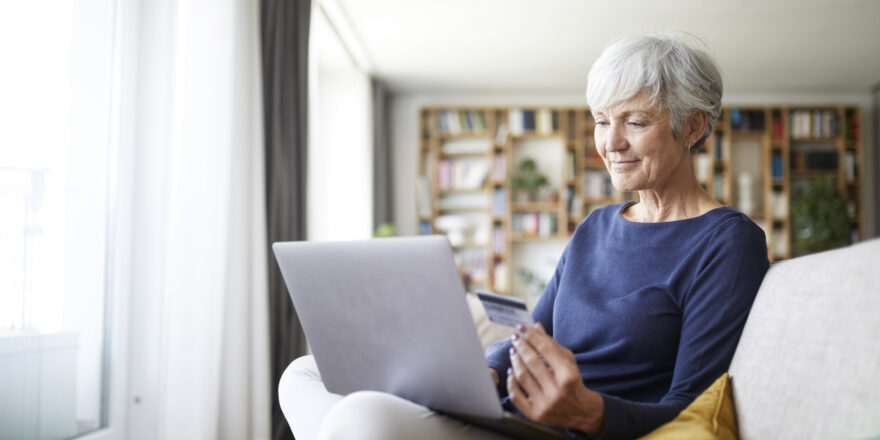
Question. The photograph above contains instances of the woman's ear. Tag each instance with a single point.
(695, 127)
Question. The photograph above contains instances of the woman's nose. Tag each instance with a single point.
(614, 139)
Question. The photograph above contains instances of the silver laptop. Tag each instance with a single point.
(390, 315)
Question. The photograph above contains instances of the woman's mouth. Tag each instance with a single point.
(623, 164)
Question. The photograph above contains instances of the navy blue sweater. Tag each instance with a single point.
(652, 311)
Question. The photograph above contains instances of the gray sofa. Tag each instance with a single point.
(808, 363)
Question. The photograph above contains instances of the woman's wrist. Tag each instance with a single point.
(592, 420)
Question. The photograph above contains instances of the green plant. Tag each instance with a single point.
(527, 177)
(819, 216)
(384, 230)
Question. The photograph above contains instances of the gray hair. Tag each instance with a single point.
(678, 76)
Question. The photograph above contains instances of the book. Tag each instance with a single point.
(776, 166)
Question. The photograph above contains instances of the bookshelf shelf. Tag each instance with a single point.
(781, 148)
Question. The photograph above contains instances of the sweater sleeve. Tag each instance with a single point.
(497, 353)
(714, 312)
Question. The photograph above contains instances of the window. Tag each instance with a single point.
(54, 166)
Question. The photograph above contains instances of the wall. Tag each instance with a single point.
(404, 135)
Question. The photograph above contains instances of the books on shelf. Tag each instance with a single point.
(778, 130)
(776, 167)
(459, 121)
(499, 167)
(746, 120)
(542, 121)
(501, 133)
(852, 126)
(499, 239)
(597, 184)
(805, 124)
(570, 165)
(814, 160)
(534, 224)
(499, 202)
(461, 174)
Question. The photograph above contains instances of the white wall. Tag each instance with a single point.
(404, 135)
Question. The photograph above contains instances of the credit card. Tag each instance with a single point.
(505, 310)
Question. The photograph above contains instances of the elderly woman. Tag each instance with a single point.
(649, 299)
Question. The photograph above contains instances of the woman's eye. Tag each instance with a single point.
(636, 124)
(601, 123)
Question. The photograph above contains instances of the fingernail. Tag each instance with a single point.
(512, 350)
(521, 328)
(509, 371)
(515, 336)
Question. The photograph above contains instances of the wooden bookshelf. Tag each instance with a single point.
(760, 141)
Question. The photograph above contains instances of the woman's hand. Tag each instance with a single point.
(545, 384)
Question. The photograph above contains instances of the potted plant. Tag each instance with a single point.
(526, 180)
(819, 216)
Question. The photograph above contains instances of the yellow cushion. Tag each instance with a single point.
(709, 416)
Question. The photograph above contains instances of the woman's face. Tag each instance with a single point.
(635, 141)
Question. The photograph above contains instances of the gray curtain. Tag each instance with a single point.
(285, 40)
(383, 177)
(874, 173)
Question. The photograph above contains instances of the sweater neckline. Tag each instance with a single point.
(699, 218)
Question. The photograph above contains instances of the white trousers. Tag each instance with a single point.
(315, 413)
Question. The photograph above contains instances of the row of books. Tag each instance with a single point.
(776, 167)
(813, 160)
(541, 121)
(534, 224)
(499, 239)
(499, 202)
(814, 123)
(570, 165)
(461, 174)
(459, 121)
(746, 120)
(597, 184)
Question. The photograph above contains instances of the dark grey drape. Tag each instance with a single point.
(383, 178)
(875, 173)
(284, 33)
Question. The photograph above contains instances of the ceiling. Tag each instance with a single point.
(549, 45)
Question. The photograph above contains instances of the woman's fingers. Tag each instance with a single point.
(517, 395)
(531, 360)
(557, 357)
(524, 376)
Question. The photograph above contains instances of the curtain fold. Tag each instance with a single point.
(285, 43)
(383, 170)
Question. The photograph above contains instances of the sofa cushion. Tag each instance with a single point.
(709, 417)
(808, 362)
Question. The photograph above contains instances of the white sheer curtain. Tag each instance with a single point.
(198, 352)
